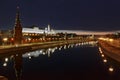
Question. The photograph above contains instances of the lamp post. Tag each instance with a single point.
(29, 39)
(5, 40)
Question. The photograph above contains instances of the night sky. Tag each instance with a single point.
(97, 15)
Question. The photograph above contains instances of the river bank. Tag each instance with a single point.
(34, 46)
(110, 50)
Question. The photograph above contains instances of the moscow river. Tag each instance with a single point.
(81, 61)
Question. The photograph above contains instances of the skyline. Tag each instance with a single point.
(67, 15)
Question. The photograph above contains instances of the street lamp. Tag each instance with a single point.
(29, 39)
(5, 40)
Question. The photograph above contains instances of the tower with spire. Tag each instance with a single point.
(17, 29)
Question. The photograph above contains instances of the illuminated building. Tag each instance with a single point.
(35, 34)
(5, 34)
(36, 30)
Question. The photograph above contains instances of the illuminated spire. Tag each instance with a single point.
(17, 21)
(17, 28)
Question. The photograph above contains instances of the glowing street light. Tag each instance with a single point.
(111, 40)
(29, 39)
(105, 60)
(111, 69)
(102, 55)
(5, 40)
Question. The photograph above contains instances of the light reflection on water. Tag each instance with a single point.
(17, 59)
(50, 51)
(110, 67)
(47, 51)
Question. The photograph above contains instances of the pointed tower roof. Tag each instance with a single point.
(17, 20)
(17, 29)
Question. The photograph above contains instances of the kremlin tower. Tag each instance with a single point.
(17, 29)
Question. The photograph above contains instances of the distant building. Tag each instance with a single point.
(5, 34)
(35, 34)
(37, 30)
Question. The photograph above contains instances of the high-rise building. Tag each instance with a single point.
(17, 29)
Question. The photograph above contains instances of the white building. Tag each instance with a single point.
(37, 30)
(48, 30)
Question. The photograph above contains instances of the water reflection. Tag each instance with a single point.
(18, 65)
(4, 64)
(104, 60)
(40, 52)
(111, 69)
(6, 59)
(50, 51)
(18, 58)
(109, 65)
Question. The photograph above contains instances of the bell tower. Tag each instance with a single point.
(17, 29)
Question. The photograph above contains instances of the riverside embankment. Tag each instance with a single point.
(33, 46)
(111, 51)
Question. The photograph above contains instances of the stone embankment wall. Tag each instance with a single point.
(35, 46)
